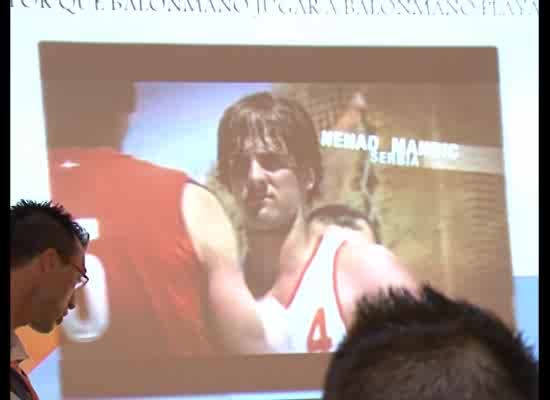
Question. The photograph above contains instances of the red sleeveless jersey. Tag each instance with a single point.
(151, 297)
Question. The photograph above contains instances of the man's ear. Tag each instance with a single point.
(48, 259)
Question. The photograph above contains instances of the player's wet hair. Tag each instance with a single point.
(267, 117)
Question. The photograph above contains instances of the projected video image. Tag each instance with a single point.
(239, 222)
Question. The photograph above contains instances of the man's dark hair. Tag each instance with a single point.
(346, 216)
(265, 116)
(35, 227)
(86, 113)
(430, 347)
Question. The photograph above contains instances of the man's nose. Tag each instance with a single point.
(72, 302)
(255, 171)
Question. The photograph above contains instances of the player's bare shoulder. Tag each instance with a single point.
(371, 266)
(196, 197)
(206, 222)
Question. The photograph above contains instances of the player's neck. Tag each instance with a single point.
(281, 252)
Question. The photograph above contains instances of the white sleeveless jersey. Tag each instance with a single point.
(313, 318)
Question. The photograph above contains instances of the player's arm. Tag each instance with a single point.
(233, 315)
(369, 269)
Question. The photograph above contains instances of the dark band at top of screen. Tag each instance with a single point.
(152, 62)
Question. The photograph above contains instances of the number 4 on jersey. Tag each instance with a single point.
(317, 338)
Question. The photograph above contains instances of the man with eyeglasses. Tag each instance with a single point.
(47, 249)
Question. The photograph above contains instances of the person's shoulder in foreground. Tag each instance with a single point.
(427, 346)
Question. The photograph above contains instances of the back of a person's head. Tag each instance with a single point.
(87, 113)
(38, 226)
(346, 216)
(429, 347)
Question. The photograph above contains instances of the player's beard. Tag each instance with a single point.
(268, 224)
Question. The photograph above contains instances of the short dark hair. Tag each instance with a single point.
(37, 226)
(346, 216)
(90, 106)
(264, 115)
(429, 347)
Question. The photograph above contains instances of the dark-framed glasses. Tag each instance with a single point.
(83, 278)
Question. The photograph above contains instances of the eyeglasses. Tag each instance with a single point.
(83, 279)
